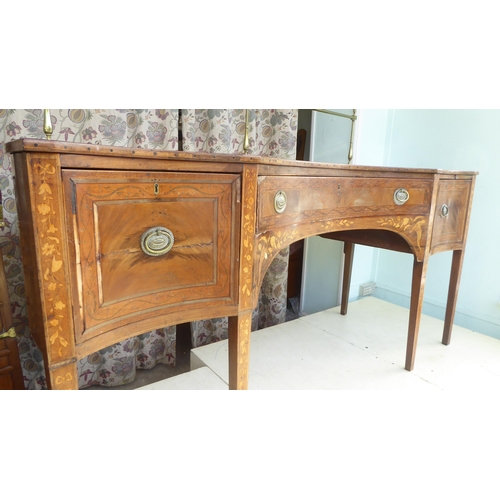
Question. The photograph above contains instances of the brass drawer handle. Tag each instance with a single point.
(280, 201)
(401, 196)
(444, 211)
(157, 241)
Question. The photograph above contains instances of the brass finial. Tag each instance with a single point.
(351, 142)
(47, 124)
(246, 141)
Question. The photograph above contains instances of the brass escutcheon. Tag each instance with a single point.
(157, 241)
(444, 210)
(280, 201)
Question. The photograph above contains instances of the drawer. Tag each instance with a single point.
(316, 198)
(146, 241)
(451, 213)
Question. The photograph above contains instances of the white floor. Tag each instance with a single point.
(363, 350)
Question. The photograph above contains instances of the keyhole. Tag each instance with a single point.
(157, 188)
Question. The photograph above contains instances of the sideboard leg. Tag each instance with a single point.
(346, 282)
(416, 302)
(239, 328)
(63, 377)
(456, 270)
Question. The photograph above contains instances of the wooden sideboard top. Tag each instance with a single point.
(45, 146)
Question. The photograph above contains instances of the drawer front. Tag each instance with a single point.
(146, 241)
(451, 213)
(317, 198)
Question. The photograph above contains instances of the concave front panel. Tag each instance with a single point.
(116, 281)
(127, 272)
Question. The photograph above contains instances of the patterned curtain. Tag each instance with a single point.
(272, 132)
(140, 128)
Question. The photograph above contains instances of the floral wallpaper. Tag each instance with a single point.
(272, 132)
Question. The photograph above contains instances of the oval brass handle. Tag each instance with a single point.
(444, 210)
(401, 196)
(280, 201)
(157, 241)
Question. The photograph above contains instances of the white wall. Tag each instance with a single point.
(445, 139)
(369, 149)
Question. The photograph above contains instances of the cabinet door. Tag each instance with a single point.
(451, 214)
(146, 243)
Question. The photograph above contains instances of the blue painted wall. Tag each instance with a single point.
(446, 139)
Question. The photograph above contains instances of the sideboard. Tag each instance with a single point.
(118, 241)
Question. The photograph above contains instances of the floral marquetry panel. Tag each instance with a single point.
(47, 210)
(414, 228)
(65, 377)
(247, 237)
